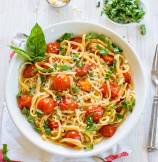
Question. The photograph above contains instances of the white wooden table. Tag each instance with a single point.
(21, 15)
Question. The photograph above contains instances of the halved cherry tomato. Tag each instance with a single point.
(76, 39)
(109, 59)
(46, 105)
(53, 47)
(73, 134)
(108, 130)
(84, 85)
(114, 90)
(104, 89)
(52, 124)
(68, 104)
(61, 82)
(24, 101)
(29, 71)
(96, 112)
(127, 77)
(83, 71)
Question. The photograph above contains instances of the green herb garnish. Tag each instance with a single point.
(90, 124)
(108, 75)
(62, 51)
(50, 70)
(75, 88)
(63, 67)
(142, 29)
(39, 113)
(19, 94)
(102, 51)
(35, 45)
(124, 11)
(113, 66)
(43, 79)
(5, 152)
(119, 116)
(89, 147)
(46, 128)
(66, 36)
(129, 104)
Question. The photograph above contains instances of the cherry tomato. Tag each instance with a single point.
(127, 77)
(46, 105)
(104, 89)
(68, 104)
(109, 59)
(84, 85)
(96, 112)
(114, 90)
(83, 71)
(108, 130)
(24, 101)
(52, 124)
(53, 47)
(76, 39)
(29, 72)
(73, 134)
(61, 82)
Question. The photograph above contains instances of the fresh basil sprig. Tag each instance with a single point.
(35, 45)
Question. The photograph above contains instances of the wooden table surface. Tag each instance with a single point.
(21, 15)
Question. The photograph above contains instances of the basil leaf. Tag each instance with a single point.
(5, 151)
(36, 44)
(66, 36)
(90, 124)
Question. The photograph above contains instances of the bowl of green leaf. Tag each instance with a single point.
(124, 12)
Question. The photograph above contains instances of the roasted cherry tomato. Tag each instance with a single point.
(109, 59)
(29, 71)
(53, 47)
(61, 82)
(84, 85)
(24, 101)
(127, 77)
(46, 105)
(114, 90)
(52, 124)
(96, 112)
(104, 89)
(68, 104)
(73, 134)
(76, 39)
(83, 71)
(108, 130)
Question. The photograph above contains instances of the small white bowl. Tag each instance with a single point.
(52, 33)
(142, 4)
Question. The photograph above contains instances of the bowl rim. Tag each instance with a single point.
(112, 143)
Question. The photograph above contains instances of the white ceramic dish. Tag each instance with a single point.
(51, 33)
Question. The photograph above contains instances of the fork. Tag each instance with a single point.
(153, 123)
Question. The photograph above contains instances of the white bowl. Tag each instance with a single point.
(52, 33)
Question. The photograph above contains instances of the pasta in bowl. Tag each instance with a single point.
(78, 91)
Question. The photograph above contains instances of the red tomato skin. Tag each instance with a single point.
(83, 71)
(114, 90)
(61, 82)
(109, 59)
(68, 104)
(104, 89)
(53, 47)
(96, 112)
(24, 101)
(28, 72)
(108, 130)
(46, 105)
(73, 134)
(52, 124)
(76, 39)
(127, 77)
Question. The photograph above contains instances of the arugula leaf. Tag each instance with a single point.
(66, 36)
(90, 124)
(108, 75)
(142, 29)
(75, 88)
(5, 151)
(63, 67)
(46, 128)
(36, 44)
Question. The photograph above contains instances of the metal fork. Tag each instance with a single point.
(153, 124)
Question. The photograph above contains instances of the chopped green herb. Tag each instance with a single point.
(119, 116)
(25, 112)
(113, 66)
(102, 51)
(76, 56)
(142, 29)
(89, 147)
(63, 67)
(108, 75)
(75, 98)
(90, 124)
(79, 64)
(19, 94)
(50, 70)
(43, 79)
(75, 88)
(123, 11)
(116, 49)
(5, 152)
(98, 4)
(46, 128)
(66, 36)
(128, 104)
(62, 51)
(39, 113)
